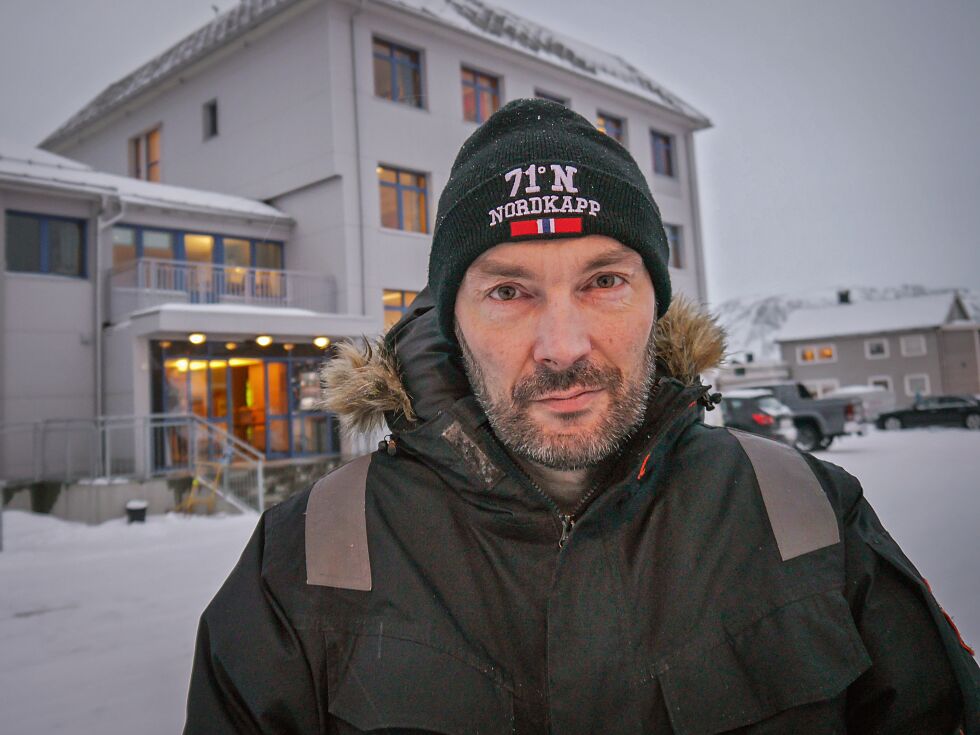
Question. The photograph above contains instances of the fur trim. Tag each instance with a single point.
(688, 340)
(361, 383)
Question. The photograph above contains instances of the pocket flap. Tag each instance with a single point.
(391, 682)
(806, 651)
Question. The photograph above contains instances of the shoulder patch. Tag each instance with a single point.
(336, 529)
(799, 511)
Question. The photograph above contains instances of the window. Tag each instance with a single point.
(881, 381)
(403, 195)
(917, 384)
(612, 126)
(144, 156)
(913, 345)
(552, 97)
(210, 119)
(481, 95)
(132, 242)
(663, 153)
(41, 244)
(876, 349)
(397, 73)
(676, 245)
(396, 305)
(806, 354)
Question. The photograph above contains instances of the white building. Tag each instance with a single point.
(337, 122)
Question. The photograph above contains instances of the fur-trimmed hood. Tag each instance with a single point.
(413, 372)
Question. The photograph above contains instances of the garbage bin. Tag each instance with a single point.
(136, 511)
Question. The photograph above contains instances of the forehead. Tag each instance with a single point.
(553, 258)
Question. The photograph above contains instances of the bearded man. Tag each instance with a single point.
(550, 540)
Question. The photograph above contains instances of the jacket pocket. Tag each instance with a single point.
(389, 683)
(804, 652)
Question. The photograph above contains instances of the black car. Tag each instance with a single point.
(934, 411)
(758, 411)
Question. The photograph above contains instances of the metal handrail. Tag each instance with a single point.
(88, 450)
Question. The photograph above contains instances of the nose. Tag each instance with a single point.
(562, 337)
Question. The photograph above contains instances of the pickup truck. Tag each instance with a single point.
(818, 420)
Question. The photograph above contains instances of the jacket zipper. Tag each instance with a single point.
(568, 520)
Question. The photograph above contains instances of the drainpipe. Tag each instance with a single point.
(357, 157)
(104, 224)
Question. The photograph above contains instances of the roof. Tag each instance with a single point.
(471, 16)
(23, 165)
(869, 317)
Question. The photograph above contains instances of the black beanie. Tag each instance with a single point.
(536, 170)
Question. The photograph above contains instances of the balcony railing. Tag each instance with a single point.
(150, 282)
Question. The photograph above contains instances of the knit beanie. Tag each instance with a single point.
(535, 170)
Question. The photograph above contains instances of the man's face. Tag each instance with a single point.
(557, 339)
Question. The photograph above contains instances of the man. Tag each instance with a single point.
(550, 541)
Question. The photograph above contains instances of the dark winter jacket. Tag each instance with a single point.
(680, 601)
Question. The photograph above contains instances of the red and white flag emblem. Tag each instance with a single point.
(545, 226)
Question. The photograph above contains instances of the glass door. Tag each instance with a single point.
(199, 254)
(277, 414)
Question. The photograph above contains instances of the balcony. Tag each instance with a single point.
(149, 282)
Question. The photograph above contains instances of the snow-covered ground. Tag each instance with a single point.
(97, 624)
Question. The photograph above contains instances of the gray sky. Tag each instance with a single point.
(846, 139)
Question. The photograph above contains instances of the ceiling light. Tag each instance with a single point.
(263, 340)
(322, 342)
(196, 338)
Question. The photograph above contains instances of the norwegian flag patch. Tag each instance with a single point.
(545, 226)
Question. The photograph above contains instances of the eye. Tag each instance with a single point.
(504, 293)
(607, 280)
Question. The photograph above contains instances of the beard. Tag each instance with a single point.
(510, 417)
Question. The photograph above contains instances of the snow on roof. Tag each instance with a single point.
(868, 317)
(21, 164)
(471, 16)
(506, 28)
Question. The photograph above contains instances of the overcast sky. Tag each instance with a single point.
(846, 140)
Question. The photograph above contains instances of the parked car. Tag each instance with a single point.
(759, 412)
(875, 400)
(818, 420)
(934, 411)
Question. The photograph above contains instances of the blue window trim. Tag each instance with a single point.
(402, 308)
(664, 163)
(675, 243)
(400, 188)
(43, 220)
(494, 89)
(614, 126)
(414, 99)
(292, 415)
(217, 254)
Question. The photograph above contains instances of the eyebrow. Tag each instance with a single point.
(495, 269)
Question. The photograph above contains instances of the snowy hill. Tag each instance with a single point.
(752, 321)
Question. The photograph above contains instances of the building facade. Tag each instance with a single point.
(329, 128)
(911, 347)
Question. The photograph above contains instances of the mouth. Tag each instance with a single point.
(575, 399)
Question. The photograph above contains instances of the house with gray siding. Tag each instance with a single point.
(911, 346)
(266, 187)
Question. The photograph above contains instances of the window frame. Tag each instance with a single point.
(217, 252)
(209, 114)
(401, 309)
(393, 61)
(816, 347)
(399, 188)
(868, 355)
(139, 152)
(677, 262)
(659, 141)
(477, 88)
(911, 376)
(602, 120)
(45, 245)
(906, 352)
(875, 380)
